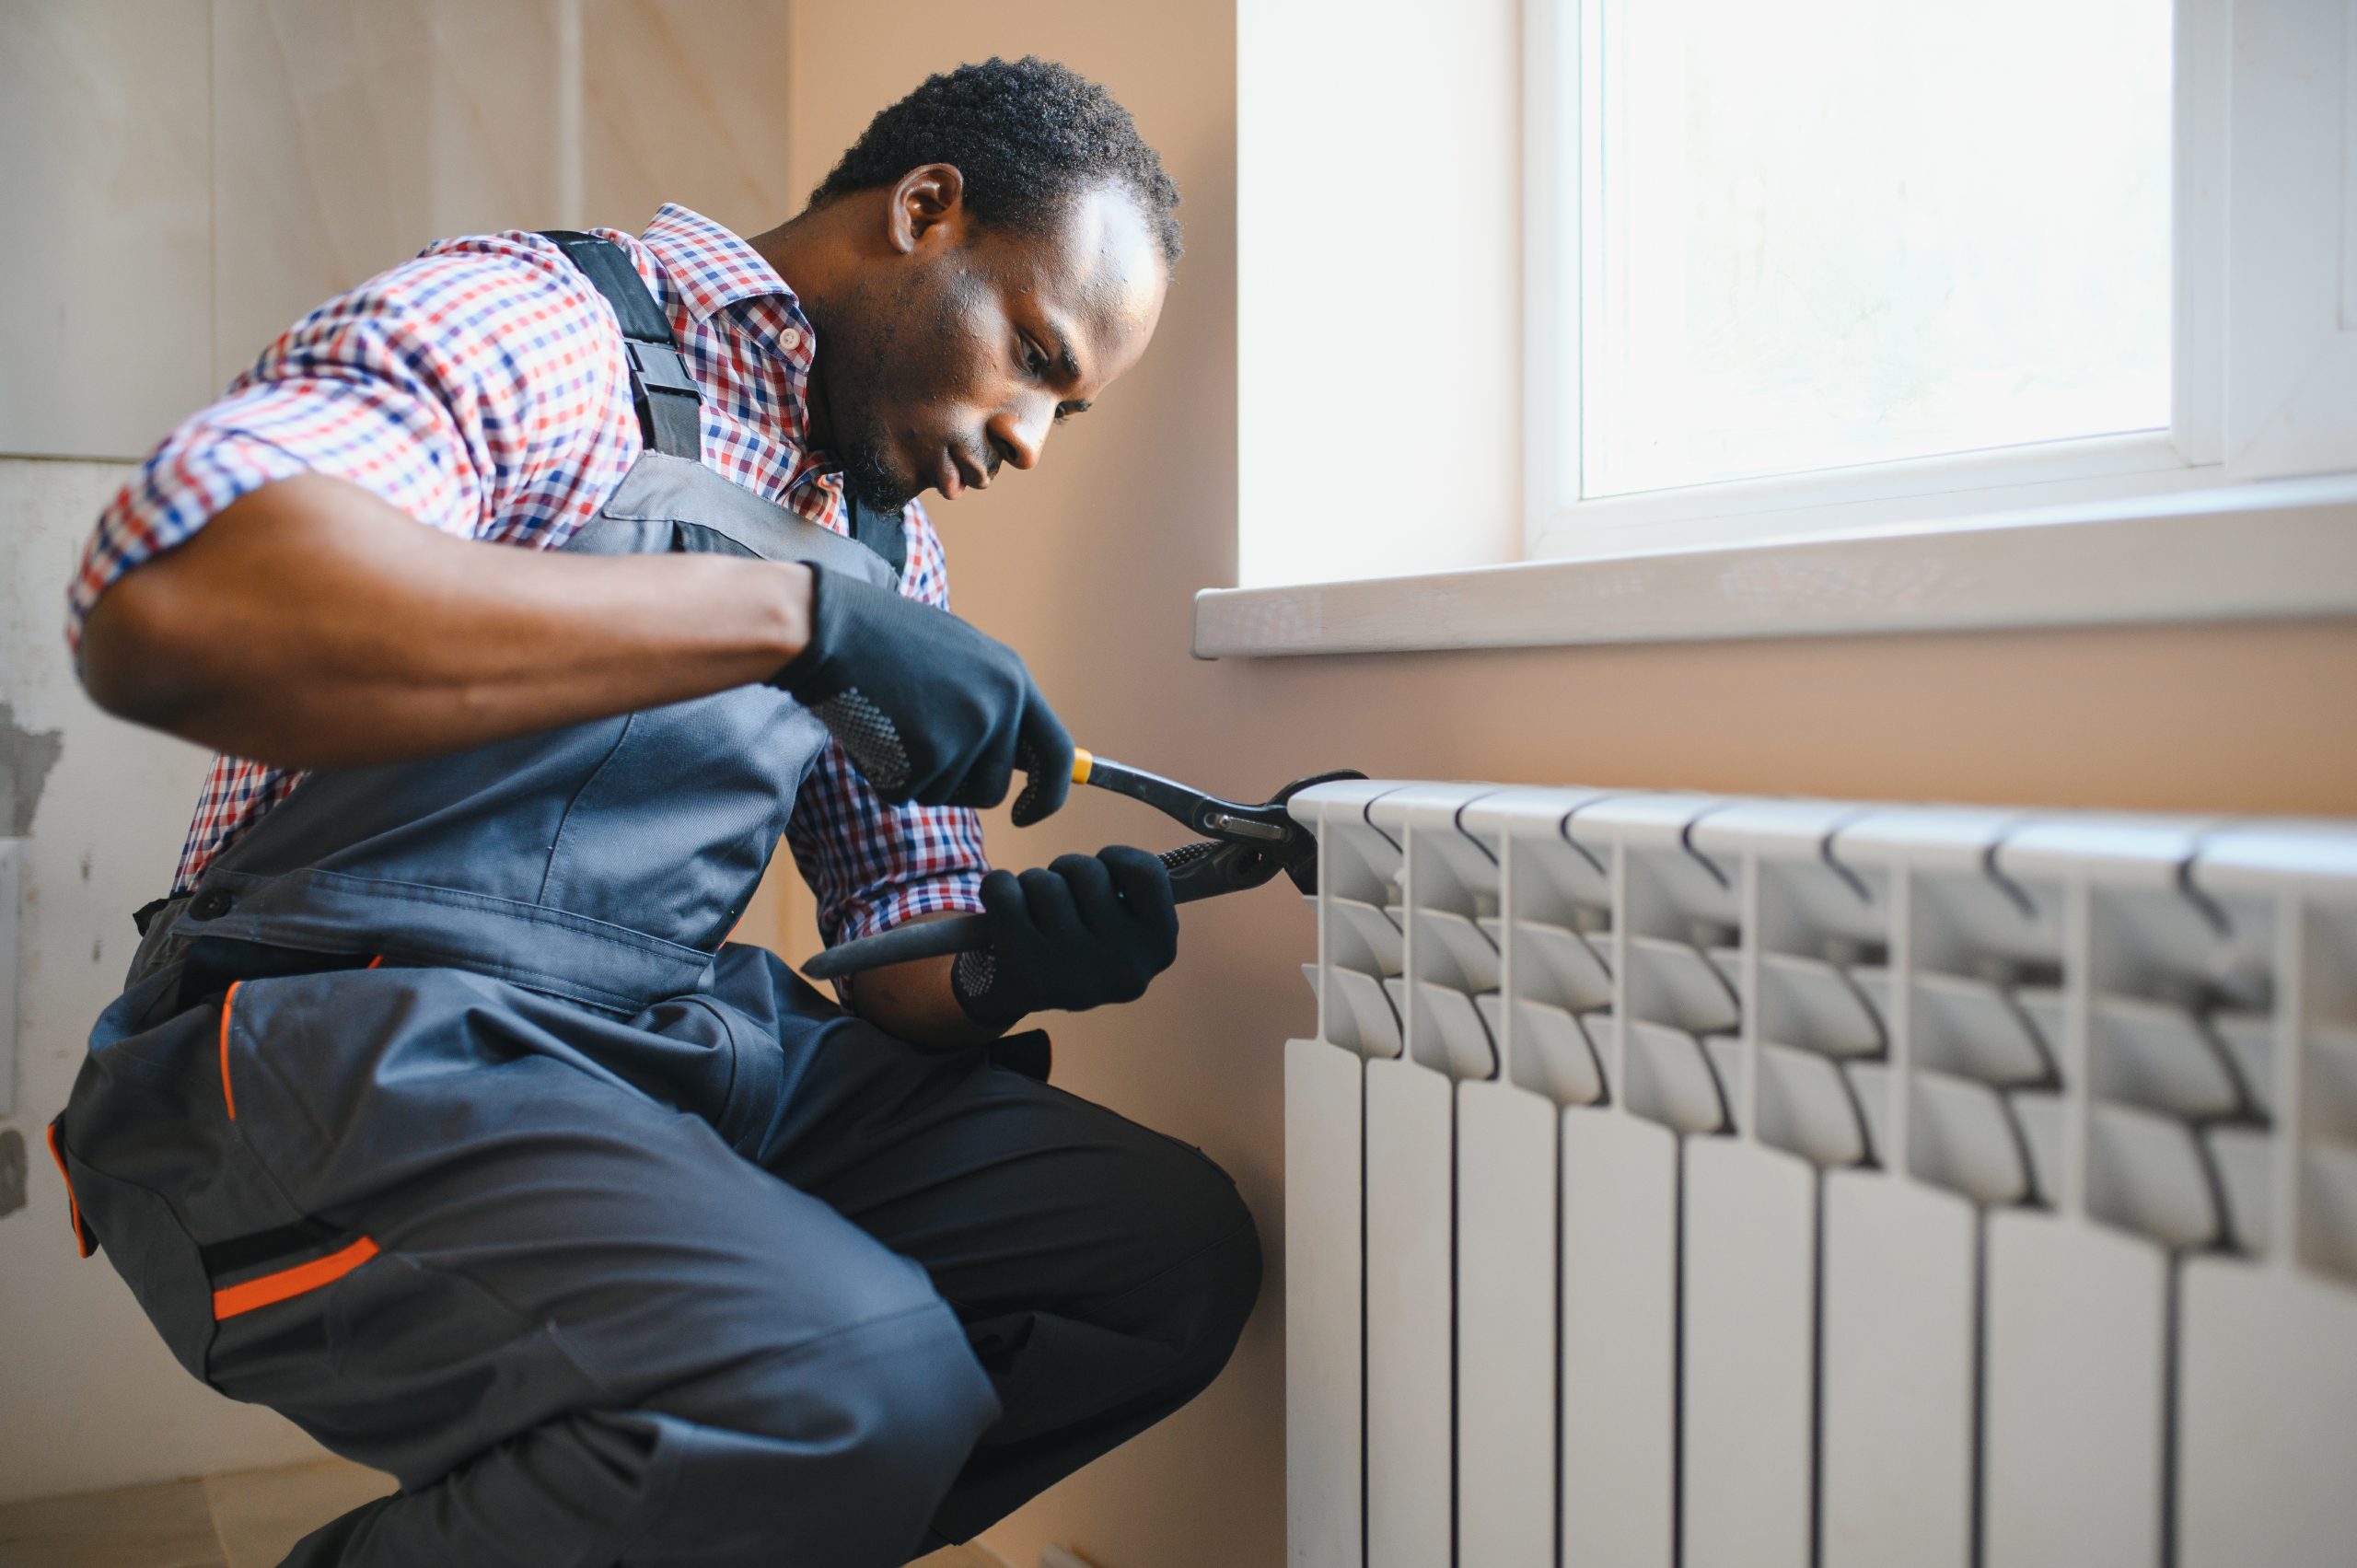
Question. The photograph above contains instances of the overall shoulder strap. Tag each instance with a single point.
(669, 416)
(881, 532)
(666, 399)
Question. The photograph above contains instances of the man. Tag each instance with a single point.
(438, 1113)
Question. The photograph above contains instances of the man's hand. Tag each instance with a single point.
(1081, 931)
(925, 707)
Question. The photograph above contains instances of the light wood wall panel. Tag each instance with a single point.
(187, 177)
(105, 268)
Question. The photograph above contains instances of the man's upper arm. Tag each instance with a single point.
(475, 388)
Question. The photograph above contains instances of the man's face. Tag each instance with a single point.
(962, 350)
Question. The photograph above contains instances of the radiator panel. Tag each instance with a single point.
(2073, 1449)
(1619, 1294)
(1505, 1326)
(1749, 1362)
(1900, 1289)
(2268, 1418)
(1409, 1312)
(1323, 1308)
(1782, 1183)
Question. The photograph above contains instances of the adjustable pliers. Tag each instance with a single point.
(1243, 847)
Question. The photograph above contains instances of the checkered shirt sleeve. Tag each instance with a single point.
(871, 865)
(480, 388)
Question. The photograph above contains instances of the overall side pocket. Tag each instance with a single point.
(144, 1240)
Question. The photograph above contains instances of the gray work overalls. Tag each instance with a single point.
(441, 1117)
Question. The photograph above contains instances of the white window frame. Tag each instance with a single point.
(2263, 362)
(2245, 508)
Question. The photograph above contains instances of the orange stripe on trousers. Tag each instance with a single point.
(229, 1096)
(287, 1283)
(73, 1203)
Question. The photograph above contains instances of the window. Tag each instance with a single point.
(1838, 232)
(1832, 265)
(1608, 320)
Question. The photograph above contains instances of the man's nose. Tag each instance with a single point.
(1018, 435)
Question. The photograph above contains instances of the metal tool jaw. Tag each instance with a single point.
(1248, 845)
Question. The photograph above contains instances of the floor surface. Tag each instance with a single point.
(248, 1519)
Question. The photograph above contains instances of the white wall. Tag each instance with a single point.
(1379, 272)
(88, 1395)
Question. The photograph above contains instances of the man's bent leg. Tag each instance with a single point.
(1103, 1270)
(655, 1490)
(582, 1329)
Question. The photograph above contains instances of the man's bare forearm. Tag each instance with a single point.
(311, 624)
(915, 1001)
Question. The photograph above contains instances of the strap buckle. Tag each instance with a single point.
(659, 368)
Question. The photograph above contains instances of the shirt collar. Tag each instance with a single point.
(710, 266)
(711, 269)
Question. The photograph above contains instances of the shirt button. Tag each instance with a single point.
(211, 904)
(790, 339)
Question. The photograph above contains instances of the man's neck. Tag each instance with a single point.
(810, 253)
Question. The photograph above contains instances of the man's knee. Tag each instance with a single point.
(1198, 1302)
(846, 1446)
(1213, 1303)
(891, 1405)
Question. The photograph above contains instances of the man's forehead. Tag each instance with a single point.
(1097, 274)
(1098, 232)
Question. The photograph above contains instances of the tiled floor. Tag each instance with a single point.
(244, 1520)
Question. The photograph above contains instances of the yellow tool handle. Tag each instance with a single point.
(1081, 762)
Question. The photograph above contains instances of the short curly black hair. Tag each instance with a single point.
(1027, 134)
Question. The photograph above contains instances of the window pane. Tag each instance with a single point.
(1826, 232)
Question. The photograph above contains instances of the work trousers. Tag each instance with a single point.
(742, 1280)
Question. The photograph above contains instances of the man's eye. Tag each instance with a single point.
(1034, 362)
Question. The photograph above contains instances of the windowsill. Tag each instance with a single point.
(2254, 551)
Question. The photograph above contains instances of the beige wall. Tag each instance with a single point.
(1088, 564)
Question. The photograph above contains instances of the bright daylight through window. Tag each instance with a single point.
(1796, 319)
(1833, 232)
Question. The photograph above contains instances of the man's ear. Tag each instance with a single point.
(927, 207)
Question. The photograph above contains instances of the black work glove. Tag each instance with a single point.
(1087, 930)
(927, 708)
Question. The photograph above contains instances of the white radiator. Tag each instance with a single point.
(1726, 1183)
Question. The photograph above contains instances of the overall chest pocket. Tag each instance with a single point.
(671, 832)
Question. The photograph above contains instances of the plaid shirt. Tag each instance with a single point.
(481, 388)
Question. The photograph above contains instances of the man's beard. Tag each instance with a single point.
(854, 366)
(868, 472)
